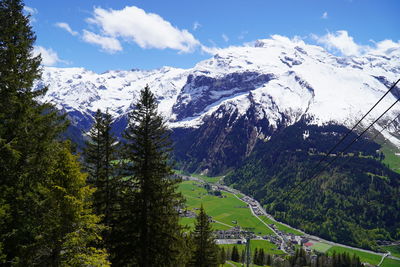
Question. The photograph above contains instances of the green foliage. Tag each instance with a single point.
(345, 203)
(364, 256)
(100, 153)
(222, 256)
(27, 132)
(69, 228)
(390, 158)
(387, 262)
(148, 230)
(280, 226)
(235, 254)
(301, 258)
(224, 209)
(45, 215)
(205, 251)
(394, 250)
(268, 247)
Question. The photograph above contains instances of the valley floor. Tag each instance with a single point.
(233, 208)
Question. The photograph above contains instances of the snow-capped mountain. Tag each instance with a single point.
(272, 84)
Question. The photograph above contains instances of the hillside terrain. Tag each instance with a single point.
(266, 114)
(220, 108)
(354, 202)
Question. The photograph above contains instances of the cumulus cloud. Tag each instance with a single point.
(132, 24)
(385, 47)
(324, 15)
(65, 26)
(225, 37)
(340, 41)
(49, 56)
(343, 43)
(196, 25)
(108, 44)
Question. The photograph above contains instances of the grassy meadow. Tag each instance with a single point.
(226, 209)
(268, 247)
(280, 226)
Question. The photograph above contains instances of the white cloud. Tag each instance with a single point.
(66, 27)
(385, 47)
(30, 10)
(210, 50)
(340, 41)
(324, 15)
(108, 44)
(196, 25)
(148, 30)
(49, 56)
(225, 37)
(343, 43)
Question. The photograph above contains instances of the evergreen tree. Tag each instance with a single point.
(261, 257)
(30, 175)
(205, 250)
(255, 257)
(222, 256)
(149, 233)
(100, 152)
(27, 132)
(228, 254)
(70, 229)
(268, 260)
(235, 254)
(242, 256)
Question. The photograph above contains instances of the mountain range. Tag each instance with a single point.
(264, 115)
(224, 105)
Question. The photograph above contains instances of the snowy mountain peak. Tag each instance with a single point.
(280, 79)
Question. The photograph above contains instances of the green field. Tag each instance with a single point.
(391, 159)
(189, 222)
(321, 247)
(208, 179)
(268, 247)
(228, 209)
(364, 256)
(394, 250)
(280, 226)
(390, 263)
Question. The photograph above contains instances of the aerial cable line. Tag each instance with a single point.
(344, 137)
(348, 146)
(376, 135)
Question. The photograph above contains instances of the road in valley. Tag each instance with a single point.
(236, 192)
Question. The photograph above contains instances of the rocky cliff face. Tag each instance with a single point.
(222, 106)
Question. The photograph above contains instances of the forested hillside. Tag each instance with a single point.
(355, 201)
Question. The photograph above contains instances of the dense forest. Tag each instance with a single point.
(353, 201)
(115, 204)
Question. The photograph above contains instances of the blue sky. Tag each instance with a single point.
(148, 34)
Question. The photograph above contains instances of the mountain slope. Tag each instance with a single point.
(354, 201)
(219, 108)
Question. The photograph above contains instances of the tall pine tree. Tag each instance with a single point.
(235, 254)
(27, 132)
(149, 231)
(100, 153)
(205, 251)
(29, 173)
